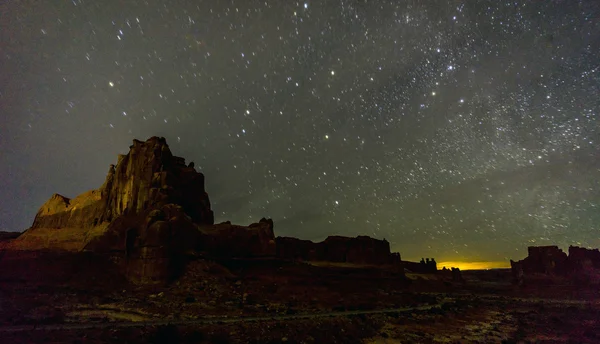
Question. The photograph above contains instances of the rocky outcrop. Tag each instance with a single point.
(425, 266)
(149, 246)
(148, 176)
(144, 217)
(296, 249)
(583, 259)
(549, 260)
(62, 212)
(152, 213)
(149, 215)
(359, 250)
(228, 241)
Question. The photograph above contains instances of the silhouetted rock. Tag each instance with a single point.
(549, 260)
(225, 240)
(150, 246)
(425, 266)
(456, 275)
(296, 249)
(148, 177)
(359, 250)
(145, 216)
(582, 258)
(152, 214)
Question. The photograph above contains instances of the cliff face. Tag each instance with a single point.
(226, 240)
(149, 214)
(148, 176)
(144, 217)
(359, 250)
(551, 260)
(542, 260)
(582, 258)
(153, 211)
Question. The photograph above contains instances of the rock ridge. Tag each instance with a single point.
(152, 213)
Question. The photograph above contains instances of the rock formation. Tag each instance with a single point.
(425, 266)
(543, 260)
(359, 250)
(582, 258)
(148, 176)
(150, 212)
(457, 275)
(226, 240)
(551, 260)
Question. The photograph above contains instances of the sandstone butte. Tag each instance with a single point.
(153, 211)
(551, 260)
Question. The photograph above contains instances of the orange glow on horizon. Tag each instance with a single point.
(474, 265)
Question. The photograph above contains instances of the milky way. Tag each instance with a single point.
(460, 130)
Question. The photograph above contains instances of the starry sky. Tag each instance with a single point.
(461, 130)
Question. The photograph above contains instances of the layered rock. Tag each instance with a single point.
(151, 245)
(144, 217)
(583, 259)
(228, 241)
(296, 249)
(359, 250)
(148, 176)
(425, 266)
(549, 260)
(153, 212)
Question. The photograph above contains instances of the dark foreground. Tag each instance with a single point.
(67, 298)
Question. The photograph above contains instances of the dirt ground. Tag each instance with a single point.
(66, 298)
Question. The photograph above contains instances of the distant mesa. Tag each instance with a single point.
(153, 211)
(425, 266)
(552, 261)
(339, 249)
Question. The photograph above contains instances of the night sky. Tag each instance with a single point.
(461, 130)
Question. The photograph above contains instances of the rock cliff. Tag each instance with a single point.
(150, 212)
(542, 260)
(551, 260)
(359, 250)
(225, 240)
(582, 258)
(148, 176)
(153, 213)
